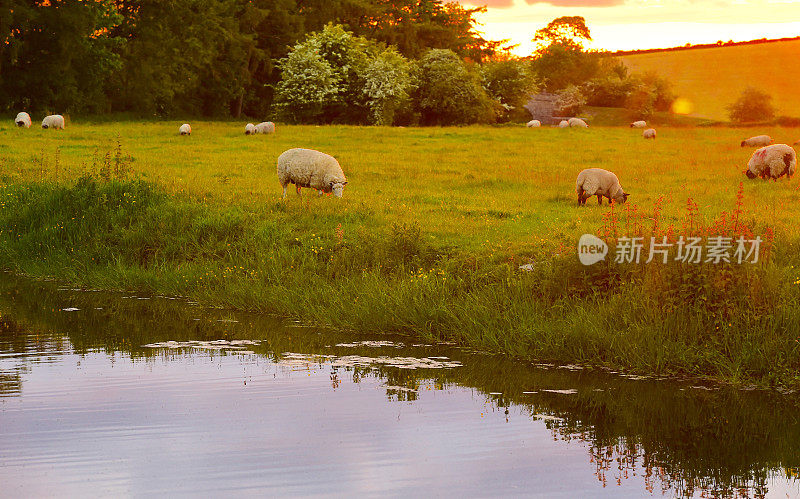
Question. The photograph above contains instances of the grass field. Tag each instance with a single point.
(428, 238)
(713, 78)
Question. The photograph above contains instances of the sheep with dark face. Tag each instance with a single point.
(773, 162)
(185, 129)
(23, 120)
(249, 129)
(55, 121)
(639, 124)
(310, 168)
(600, 183)
(650, 133)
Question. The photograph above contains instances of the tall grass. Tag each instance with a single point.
(375, 267)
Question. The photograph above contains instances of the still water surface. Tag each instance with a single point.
(115, 395)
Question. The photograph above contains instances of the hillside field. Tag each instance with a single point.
(713, 78)
(429, 237)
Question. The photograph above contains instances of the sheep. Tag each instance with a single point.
(265, 127)
(639, 124)
(249, 129)
(53, 121)
(185, 129)
(310, 168)
(757, 141)
(534, 124)
(23, 119)
(577, 122)
(563, 124)
(599, 182)
(772, 162)
(650, 133)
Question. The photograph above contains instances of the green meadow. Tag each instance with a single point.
(429, 236)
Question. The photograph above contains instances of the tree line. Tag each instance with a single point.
(197, 57)
(305, 61)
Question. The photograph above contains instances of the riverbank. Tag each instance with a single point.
(428, 240)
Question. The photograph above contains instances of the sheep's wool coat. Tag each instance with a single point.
(596, 181)
(772, 161)
(23, 119)
(53, 121)
(309, 168)
(757, 141)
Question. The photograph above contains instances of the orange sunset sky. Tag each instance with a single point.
(643, 24)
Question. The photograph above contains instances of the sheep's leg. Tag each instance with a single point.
(599, 199)
(284, 192)
(298, 190)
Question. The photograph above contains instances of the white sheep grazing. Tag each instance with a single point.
(185, 129)
(310, 168)
(23, 119)
(639, 124)
(55, 121)
(265, 127)
(249, 129)
(563, 124)
(534, 124)
(577, 122)
(772, 162)
(650, 133)
(757, 141)
(599, 182)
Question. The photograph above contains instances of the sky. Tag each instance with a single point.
(642, 24)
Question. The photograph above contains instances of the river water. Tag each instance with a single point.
(107, 394)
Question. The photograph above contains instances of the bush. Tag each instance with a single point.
(650, 93)
(450, 92)
(608, 91)
(752, 105)
(511, 84)
(387, 84)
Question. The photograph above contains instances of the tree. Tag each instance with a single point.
(450, 92)
(56, 55)
(567, 31)
(752, 105)
(511, 83)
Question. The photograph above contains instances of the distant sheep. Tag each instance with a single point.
(577, 122)
(563, 124)
(185, 129)
(249, 129)
(310, 168)
(534, 124)
(600, 183)
(757, 141)
(650, 133)
(772, 162)
(265, 127)
(23, 119)
(639, 124)
(55, 121)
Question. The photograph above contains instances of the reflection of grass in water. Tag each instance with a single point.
(690, 440)
(415, 246)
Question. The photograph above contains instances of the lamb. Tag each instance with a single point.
(599, 182)
(534, 124)
(265, 127)
(23, 119)
(310, 168)
(563, 124)
(650, 133)
(185, 129)
(577, 122)
(249, 129)
(757, 141)
(772, 162)
(55, 121)
(639, 124)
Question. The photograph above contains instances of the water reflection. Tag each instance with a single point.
(642, 436)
